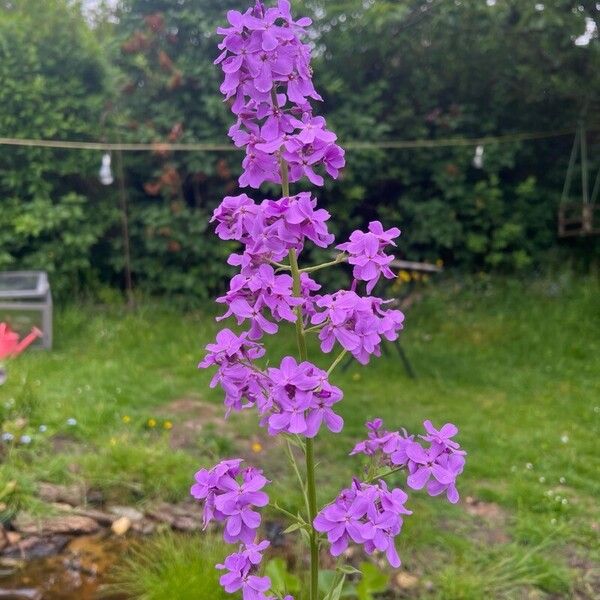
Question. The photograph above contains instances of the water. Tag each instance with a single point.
(75, 574)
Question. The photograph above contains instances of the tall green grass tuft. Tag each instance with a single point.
(505, 573)
(167, 567)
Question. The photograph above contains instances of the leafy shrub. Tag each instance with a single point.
(52, 87)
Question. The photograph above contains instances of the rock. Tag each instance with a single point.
(69, 524)
(95, 497)
(22, 594)
(406, 581)
(121, 526)
(183, 517)
(126, 511)
(99, 516)
(13, 537)
(37, 547)
(144, 527)
(61, 506)
(187, 524)
(69, 494)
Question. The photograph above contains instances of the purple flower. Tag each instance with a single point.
(435, 468)
(240, 576)
(343, 521)
(235, 216)
(230, 348)
(356, 323)
(228, 500)
(453, 464)
(365, 514)
(366, 253)
(301, 399)
(441, 437)
(262, 51)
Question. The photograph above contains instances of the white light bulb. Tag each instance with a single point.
(106, 176)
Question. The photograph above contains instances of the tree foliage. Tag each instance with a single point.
(52, 87)
(388, 70)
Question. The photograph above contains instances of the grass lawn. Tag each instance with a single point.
(515, 365)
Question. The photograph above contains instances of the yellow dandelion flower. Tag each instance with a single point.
(439, 262)
(404, 276)
(151, 423)
(126, 419)
(167, 425)
(256, 447)
(113, 441)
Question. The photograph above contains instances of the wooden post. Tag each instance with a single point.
(125, 230)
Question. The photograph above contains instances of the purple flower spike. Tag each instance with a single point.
(268, 77)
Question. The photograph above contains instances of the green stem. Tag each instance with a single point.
(384, 475)
(338, 259)
(315, 328)
(336, 362)
(311, 489)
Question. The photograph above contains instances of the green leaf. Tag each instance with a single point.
(336, 592)
(373, 581)
(282, 581)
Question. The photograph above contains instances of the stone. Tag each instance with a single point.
(69, 494)
(13, 537)
(144, 527)
(99, 516)
(406, 581)
(183, 517)
(121, 526)
(22, 594)
(37, 547)
(126, 511)
(68, 524)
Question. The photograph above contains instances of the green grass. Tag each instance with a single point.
(169, 566)
(516, 365)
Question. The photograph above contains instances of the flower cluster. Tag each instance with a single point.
(294, 398)
(357, 323)
(267, 79)
(366, 514)
(228, 499)
(436, 467)
(271, 229)
(301, 399)
(241, 574)
(366, 253)
(230, 494)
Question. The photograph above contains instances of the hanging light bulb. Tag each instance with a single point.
(478, 158)
(106, 176)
